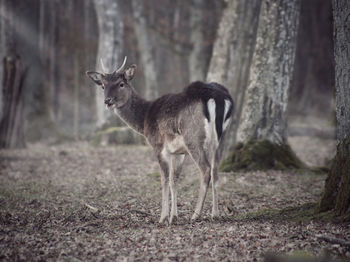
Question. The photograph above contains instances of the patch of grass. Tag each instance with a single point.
(301, 254)
(303, 213)
(155, 175)
(25, 191)
(110, 130)
(116, 135)
(265, 155)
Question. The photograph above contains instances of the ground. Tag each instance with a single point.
(77, 202)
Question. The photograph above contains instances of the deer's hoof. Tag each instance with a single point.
(215, 215)
(194, 217)
(173, 220)
(164, 220)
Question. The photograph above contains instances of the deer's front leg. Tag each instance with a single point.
(164, 172)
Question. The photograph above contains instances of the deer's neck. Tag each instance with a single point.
(133, 113)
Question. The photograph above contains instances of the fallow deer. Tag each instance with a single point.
(192, 122)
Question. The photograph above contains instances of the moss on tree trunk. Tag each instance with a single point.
(336, 195)
(261, 155)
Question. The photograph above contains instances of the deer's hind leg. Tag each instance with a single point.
(214, 175)
(200, 157)
(164, 163)
(175, 170)
(214, 184)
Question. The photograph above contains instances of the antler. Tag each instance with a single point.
(116, 71)
(122, 67)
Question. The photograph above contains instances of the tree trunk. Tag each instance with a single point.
(232, 54)
(53, 85)
(264, 110)
(2, 52)
(109, 48)
(76, 116)
(12, 124)
(313, 79)
(337, 188)
(146, 50)
(7, 43)
(196, 63)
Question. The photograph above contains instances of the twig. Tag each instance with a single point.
(140, 212)
(94, 209)
(335, 241)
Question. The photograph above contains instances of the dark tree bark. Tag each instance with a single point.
(337, 189)
(7, 40)
(313, 79)
(12, 76)
(12, 124)
(2, 52)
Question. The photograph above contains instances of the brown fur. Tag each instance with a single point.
(174, 125)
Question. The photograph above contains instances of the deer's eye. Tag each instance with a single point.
(121, 85)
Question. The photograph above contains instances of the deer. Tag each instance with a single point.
(192, 122)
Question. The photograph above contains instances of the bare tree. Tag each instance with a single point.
(2, 47)
(12, 85)
(109, 46)
(6, 40)
(196, 64)
(232, 53)
(337, 188)
(146, 49)
(313, 79)
(264, 110)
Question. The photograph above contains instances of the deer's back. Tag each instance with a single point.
(169, 114)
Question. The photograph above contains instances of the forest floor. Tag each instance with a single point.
(76, 202)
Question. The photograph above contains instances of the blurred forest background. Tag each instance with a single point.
(49, 45)
(287, 67)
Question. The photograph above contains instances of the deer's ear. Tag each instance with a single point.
(95, 76)
(130, 72)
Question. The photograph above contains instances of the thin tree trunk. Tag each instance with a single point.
(7, 42)
(76, 98)
(146, 50)
(313, 79)
(196, 63)
(337, 188)
(232, 54)
(52, 61)
(12, 124)
(264, 112)
(109, 48)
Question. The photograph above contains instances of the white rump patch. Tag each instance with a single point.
(210, 130)
(211, 108)
(227, 107)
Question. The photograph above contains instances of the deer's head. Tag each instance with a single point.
(116, 85)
